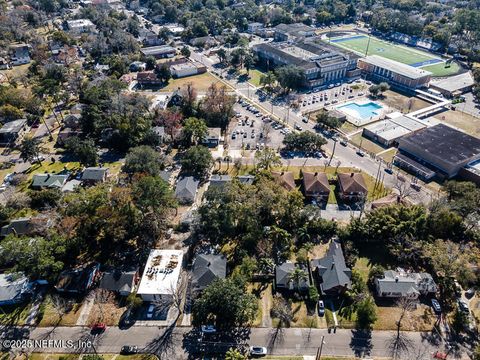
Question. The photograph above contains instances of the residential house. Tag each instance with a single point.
(188, 68)
(160, 132)
(80, 26)
(26, 226)
(283, 277)
(402, 284)
(315, 185)
(146, 78)
(93, 175)
(253, 27)
(352, 187)
(213, 138)
(206, 269)
(138, 66)
(285, 178)
(21, 54)
(331, 273)
(11, 131)
(219, 181)
(176, 99)
(246, 179)
(166, 176)
(389, 200)
(49, 181)
(161, 276)
(120, 282)
(66, 133)
(186, 190)
(77, 281)
(203, 42)
(72, 120)
(14, 289)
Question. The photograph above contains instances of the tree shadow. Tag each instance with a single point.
(163, 344)
(361, 342)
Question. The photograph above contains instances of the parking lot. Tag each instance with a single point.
(252, 129)
(315, 100)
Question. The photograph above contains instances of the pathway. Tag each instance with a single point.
(266, 306)
(86, 309)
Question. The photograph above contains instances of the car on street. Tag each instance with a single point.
(98, 328)
(258, 351)
(208, 329)
(129, 349)
(360, 153)
(298, 127)
(305, 120)
(389, 171)
(321, 308)
(344, 142)
(436, 306)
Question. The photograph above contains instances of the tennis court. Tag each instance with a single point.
(400, 53)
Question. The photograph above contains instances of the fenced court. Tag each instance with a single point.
(404, 54)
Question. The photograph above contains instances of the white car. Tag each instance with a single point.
(150, 311)
(258, 351)
(208, 329)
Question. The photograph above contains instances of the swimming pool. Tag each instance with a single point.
(362, 111)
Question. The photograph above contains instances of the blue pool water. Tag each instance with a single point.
(364, 111)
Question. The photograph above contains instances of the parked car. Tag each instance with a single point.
(298, 127)
(208, 329)
(344, 142)
(436, 306)
(470, 293)
(129, 349)
(463, 306)
(360, 153)
(321, 308)
(98, 328)
(150, 311)
(305, 120)
(258, 351)
(389, 171)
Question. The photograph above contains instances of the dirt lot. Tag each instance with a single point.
(463, 121)
(108, 313)
(201, 82)
(402, 102)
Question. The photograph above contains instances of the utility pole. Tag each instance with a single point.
(368, 45)
(319, 350)
(333, 151)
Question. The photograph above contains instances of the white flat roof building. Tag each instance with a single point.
(396, 67)
(80, 26)
(388, 131)
(161, 275)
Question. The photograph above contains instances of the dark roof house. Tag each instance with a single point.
(283, 277)
(208, 268)
(120, 282)
(95, 174)
(285, 178)
(25, 226)
(315, 185)
(219, 181)
(352, 186)
(77, 281)
(186, 190)
(332, 273)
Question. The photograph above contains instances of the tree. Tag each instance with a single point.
(45, 199)
(267, 159)
(290, 77)
(84, 150)
(153, 195)
(163, 73)
(282, 310)
(399, 343)
(197, 161)
(171, 119)
(30, 149)
(305, 141)
(268, 80)
(234, 354)
(217, 107)
(327, 121)
(143, 159)
(249, 62)
(185, 51)
(194, 130)
(366, 313)
(222, 55)
(297, 276)
(226, 304)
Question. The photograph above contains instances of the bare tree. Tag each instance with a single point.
(102, 297)
(400, 343)
(404, 189)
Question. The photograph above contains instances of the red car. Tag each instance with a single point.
(99, 328)
(440, 355)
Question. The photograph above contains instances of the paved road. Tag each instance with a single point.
(170, 344)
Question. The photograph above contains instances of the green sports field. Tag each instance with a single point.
(400, 53)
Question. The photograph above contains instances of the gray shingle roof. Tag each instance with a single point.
(49, 180)
(118, 281)
(332, 268)
(12, 287)
(187, 188)
(94, 173)
(208, 268)
(219, 180)
(406, 283)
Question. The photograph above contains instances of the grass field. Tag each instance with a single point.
(400, 53)
(201, 82)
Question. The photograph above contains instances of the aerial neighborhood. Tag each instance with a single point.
(239, 179)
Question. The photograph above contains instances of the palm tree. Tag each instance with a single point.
(303, 235)
(296, 276)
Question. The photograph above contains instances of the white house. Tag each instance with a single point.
(161, 275)
(80, 26)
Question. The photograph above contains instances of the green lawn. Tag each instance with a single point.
(255, 75)
(388, 50)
